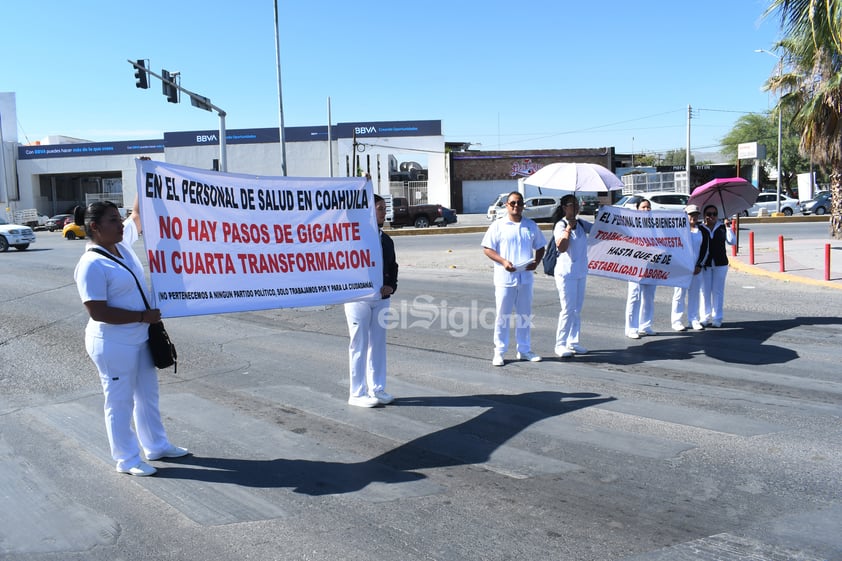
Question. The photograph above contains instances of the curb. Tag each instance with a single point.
(738, 265)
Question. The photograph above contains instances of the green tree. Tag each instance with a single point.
(763, 129)
(645, 160)
(812, 85)
(677, 157)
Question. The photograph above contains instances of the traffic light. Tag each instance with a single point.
(141, 74)
(168, 86)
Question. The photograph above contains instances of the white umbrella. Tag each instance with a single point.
(589, 178)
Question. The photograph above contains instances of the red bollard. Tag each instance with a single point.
(782, 266)
(827, 261)
(751, 247)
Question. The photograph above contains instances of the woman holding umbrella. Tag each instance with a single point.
(715, 268)
(571, 274)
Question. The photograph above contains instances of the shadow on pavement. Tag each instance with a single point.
(735, 342)
(471, 442)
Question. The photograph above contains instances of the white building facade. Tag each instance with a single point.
(53, 178)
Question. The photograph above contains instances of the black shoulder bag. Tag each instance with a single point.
(163, 350)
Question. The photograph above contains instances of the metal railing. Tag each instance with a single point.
(116, 198)
(674, 181)
(414, 191)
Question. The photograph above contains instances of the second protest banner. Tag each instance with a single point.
(648, 247)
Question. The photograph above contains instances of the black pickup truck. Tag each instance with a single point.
(420, 216)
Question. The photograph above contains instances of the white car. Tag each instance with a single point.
(539, 209)
(15, 235)
(660, 200)
(491, 214)
(768, 201)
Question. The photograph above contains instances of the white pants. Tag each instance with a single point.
(714, 293)
(130, 386)
(367, 349)
(517, 299)
(693, 295)
(640, 307)
(571, 294)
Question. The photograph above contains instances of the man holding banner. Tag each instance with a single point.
(366, 325)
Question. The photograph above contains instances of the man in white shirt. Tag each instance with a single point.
(516, 245)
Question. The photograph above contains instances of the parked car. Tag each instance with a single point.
(491, 214)
(818, 205)
(420, 216)
(56, 222)
(71, 231)
(660, 200)
(539, 209)
(15, 235)
(449, 216)
(588, 205)
(768, 201)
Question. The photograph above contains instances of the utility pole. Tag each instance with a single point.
(171, 89)
(281, 135)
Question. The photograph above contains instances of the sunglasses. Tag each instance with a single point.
(515, 203)
(711, 214)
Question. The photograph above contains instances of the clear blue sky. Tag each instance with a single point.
(507, 75)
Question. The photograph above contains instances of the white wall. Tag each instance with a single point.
(30, 170)
(478, 195)
(304, 159)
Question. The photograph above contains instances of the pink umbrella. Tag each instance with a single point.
(730, 195)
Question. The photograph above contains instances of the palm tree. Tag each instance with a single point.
(812, 49)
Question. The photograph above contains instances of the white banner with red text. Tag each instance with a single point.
(222, 242)
(648, 247)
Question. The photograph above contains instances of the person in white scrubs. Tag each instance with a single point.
(516, 245)
(692, 294)
(570, 274)
(367, 328)
(640, 301)
(715, 269)
(116, 338)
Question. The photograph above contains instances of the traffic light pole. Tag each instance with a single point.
(196, 100)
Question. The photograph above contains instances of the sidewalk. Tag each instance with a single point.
(804, 261)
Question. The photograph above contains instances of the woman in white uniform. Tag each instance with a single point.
(640, 302)
(571, 275)
(116, 338)
(693, 293)
(715, 269)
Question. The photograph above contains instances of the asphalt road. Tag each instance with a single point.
(723, 444)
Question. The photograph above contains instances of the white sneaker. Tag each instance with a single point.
(678, 326)
(363, 401)
(530, 356)
(716, 324)
(383, 397)
(564, 353)
(633, 335)
(646, 331)
(172, 451)
(140, 470)
(697, 326)
(577, 349)
(497, 360)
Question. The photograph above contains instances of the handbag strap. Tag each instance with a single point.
(106, 254)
